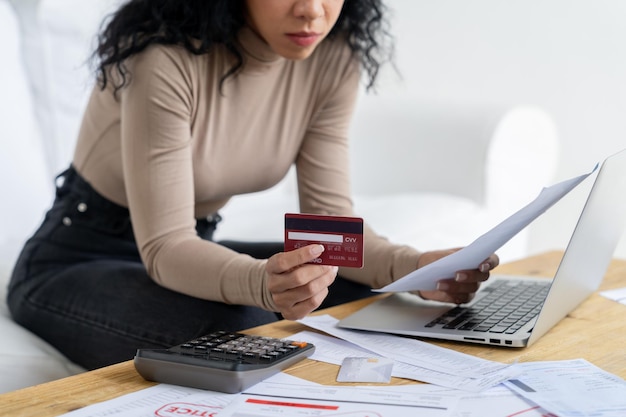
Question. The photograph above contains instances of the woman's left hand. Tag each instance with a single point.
(462, 288)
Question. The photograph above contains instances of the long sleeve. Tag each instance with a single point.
(175, 147)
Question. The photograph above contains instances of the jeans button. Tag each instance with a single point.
(60, 181)
(82, 207)
(67, 221)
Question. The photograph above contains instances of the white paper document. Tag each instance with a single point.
(498, 402)
(329, 349)
(618, 294)
(160, 400)
(285, 395)
(471, 256)
(250, 405)
(572, 388)
(419, 360)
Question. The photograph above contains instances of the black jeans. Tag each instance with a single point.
(79, 283)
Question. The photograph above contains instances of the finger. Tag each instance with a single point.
(286, 261)
(301, 300)
(489, 263)
(479, 274)
(470, 276)
(455, 287)
(448, 297)
(304, 307)
(304, 281)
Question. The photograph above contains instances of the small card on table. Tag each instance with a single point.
(341, 236)
(365, 369)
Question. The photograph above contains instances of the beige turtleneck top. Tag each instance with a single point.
(173, 148)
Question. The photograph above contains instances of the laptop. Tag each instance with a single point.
(537, 304)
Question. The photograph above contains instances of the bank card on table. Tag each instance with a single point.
(366, 369)
(342, 237)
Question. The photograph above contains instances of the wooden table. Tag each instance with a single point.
(595, 331)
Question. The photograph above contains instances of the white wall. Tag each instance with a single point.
(567, 56)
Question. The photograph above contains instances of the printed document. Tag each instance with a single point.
(159, 400)
(421, 361)
(572, 388)
(285, 395)
(618, 294)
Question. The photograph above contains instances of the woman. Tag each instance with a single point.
(197, 101)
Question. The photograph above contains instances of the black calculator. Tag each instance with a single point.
(221, 361)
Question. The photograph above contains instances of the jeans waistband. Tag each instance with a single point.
(70, 182)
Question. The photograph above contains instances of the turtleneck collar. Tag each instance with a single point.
(255, 47)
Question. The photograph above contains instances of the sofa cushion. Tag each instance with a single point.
(27, 360)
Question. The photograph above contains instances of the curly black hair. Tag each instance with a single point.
(197, 25)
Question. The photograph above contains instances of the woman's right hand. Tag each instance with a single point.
(297, 286)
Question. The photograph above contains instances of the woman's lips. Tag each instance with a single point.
(303, 38)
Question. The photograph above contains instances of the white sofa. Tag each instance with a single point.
(428, 175)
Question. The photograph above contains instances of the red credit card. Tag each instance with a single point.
(342, 237)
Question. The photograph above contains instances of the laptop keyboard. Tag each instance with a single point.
(505, 308)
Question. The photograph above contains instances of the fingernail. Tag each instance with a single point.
(317, 249)
(442, 286)
(460, 277)
(484, 267)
